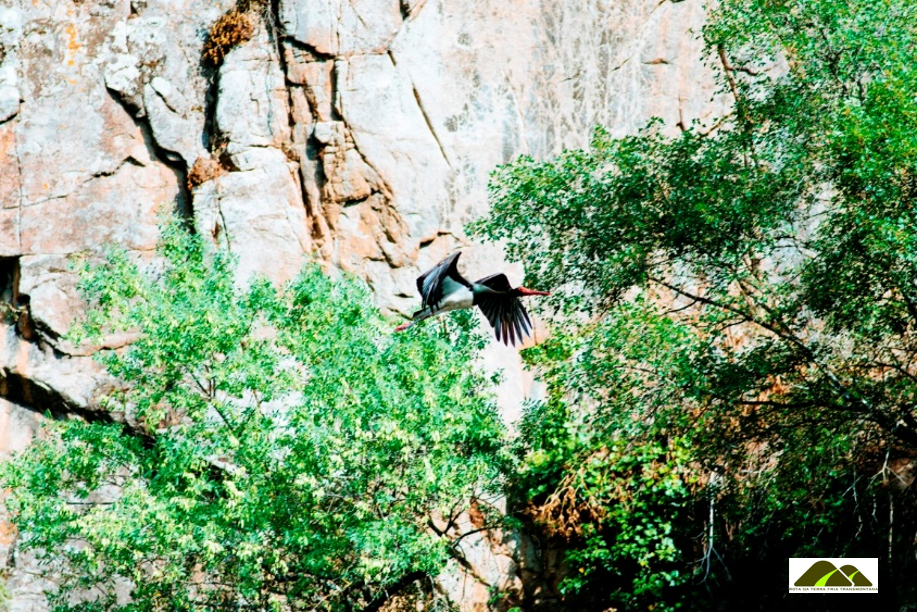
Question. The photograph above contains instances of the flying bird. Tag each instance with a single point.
(443, 289)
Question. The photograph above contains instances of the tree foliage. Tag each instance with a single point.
(283, 450)
(746, 291)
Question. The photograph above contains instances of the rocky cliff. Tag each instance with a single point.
(360, 132)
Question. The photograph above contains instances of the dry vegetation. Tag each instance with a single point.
(231, 30)
(203, 170)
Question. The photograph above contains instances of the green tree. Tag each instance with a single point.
(282, 449)
(746, 291)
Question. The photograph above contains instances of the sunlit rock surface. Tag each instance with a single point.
(360, 132)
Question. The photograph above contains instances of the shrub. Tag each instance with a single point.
(283, 449)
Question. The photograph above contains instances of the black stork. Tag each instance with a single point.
(443, 289)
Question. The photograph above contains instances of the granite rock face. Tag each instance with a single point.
(358, 132)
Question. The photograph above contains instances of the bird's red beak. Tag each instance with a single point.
(527, 291)
(403, 326)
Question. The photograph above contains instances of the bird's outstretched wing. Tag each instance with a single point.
(430, 283)
(504, 310)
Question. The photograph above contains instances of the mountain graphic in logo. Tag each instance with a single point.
(855, 576)
(825, 574)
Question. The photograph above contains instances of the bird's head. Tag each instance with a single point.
(527, 291)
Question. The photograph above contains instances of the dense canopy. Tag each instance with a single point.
(739, 308)
(282, 448)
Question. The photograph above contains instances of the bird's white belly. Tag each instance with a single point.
(456, 296)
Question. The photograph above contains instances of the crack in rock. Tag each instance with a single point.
(338, 183)
(171, 159)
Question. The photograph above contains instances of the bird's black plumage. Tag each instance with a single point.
(442, 288)
(430, 284)
(503, 309)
